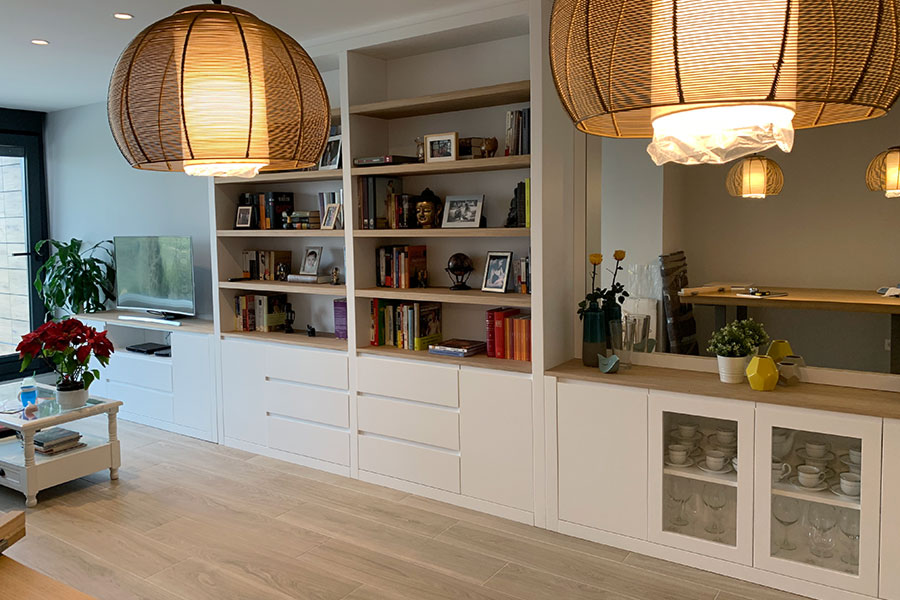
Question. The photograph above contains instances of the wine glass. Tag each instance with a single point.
(822, 519)
(849, 524)
(714, 498)
(786, 511)
(680, 492)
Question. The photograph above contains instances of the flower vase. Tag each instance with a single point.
(70, 399)
(611, 312)
(594, 336)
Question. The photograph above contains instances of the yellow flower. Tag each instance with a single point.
(619, 255)
(595, 259)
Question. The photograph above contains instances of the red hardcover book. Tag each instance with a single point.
(500, 348)
(489, 331)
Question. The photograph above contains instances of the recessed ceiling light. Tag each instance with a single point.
(40, 42)
(123, 16)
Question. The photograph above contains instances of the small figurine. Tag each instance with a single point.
(286, 220)
(489, 147)
(335, 276)
(420, 149)
(428, 210)
(310, 331)
(289, 316)
(282, 272)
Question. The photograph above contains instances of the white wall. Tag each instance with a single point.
(94, 194)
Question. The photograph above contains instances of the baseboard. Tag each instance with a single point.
(297, 459)
(207, 436)
(498, 510)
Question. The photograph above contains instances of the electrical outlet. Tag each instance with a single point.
(887, 345)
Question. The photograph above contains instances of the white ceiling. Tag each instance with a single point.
(85, 39)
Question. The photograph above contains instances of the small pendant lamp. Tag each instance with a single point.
(212, 90)
(714, 80)
(755, 177)
(883, 174)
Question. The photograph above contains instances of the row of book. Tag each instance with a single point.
(508, 334)
(518, 132)
(267, 208)
(401, 267)
(521, 275)
(57, 440)
(264, 265)
(406, 325)
(267, 312)
(375, 194)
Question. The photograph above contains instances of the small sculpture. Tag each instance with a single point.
(335, 276)
(459, 267)
(608, 365)
(310, 330)
(420, 149)
(489, 147)
(428, 210)
(289, 316)
(282, 271)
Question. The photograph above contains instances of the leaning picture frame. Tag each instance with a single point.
(331, 158)
(244, 217)
(463, 211)
(332, 216)
(441, 147)
(312, 256)
(496, 271)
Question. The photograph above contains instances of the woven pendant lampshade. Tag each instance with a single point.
(883, 174)
(212, 90)
(755, 177)
(715, 80)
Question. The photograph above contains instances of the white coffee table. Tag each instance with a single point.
(26, 471)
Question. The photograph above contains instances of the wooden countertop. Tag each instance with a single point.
(188, 324)
(868, 301)
(833, 398)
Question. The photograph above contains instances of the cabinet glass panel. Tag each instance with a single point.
(815, 499)
(699, 477)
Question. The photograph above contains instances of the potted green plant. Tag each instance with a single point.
(756, 332)
(733, 345)
(75, 280)
(599, 307)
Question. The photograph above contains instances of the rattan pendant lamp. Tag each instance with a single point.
(213, 90)
(715, 80)
(755, 177)
(883, 174)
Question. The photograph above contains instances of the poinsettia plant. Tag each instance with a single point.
(67, 347)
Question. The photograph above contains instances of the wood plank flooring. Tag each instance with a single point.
(189, 520)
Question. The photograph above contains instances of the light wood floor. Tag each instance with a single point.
(190, 520)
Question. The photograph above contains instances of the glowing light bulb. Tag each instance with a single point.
(892, 174)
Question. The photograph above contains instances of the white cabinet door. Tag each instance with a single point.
(811, 534)
(890, 512)
(495, 437)
(193, 381)
(602, 443)
(692, 508)
(243, 401)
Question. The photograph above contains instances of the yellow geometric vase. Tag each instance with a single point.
(762, 372)
(778, 349)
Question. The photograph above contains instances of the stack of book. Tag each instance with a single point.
(306, 219)
(56, 440)
(263, 264)
(518, 132)
(457, 348)
(406, 325)
(264, 312)
(520, 206)
(401, 267)
(508, 334)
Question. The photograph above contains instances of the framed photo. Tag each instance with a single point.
(463, 211)
(441, 147)
(311, 258)
(244, 218)
(332, 216)
(496, 272)
(331, 158)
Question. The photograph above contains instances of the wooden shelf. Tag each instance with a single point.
(279, 233)
(321, 289)
(823, 497)
(481, 361)
(488, 232)
(325, 341)
(284, 177)
(474, 165)
(481, 97)
(442, 294)
(694, 472)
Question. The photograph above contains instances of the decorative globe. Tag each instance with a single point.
(459, 267)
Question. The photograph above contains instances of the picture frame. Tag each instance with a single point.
(463, 211)
(312, 256)
(332, 216)
(441, 147)
(496, 271)
(331, 158)
(244, 217)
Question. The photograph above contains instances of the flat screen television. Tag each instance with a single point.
(155, 274)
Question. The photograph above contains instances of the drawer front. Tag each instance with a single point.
(140, 371)
(11, 476)
(409, 421)
(308, 403)
(322, 443)
(144, 402)
(327, 369)
(409, 380)
(425, 466)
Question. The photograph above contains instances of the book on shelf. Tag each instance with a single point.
(389, 159)
(521, 275)
(55, 436)
(406, 325)
(458, 348)
(374, 192)
(518, 132)
(520, 206)
(263, 265)
(401, 267)
(400, 212)
(508, 334)
(340, 318)
(263, 312)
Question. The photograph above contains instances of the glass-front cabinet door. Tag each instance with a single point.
(818, 494)
(701, 475)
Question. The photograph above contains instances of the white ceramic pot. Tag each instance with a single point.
(69, 400)
(731, 368)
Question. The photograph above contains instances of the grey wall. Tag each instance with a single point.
(94, 194)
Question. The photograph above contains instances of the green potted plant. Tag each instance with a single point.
(733, 345)
(75, 280)
(756, 332)
(598, 308)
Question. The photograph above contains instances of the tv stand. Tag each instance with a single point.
(153, 317)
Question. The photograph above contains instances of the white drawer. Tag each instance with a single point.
(11, 476)
(328, 369)
(309, 440)
(144, 402)
(308, 403)
(434, 468)
(409, 380)
(138, 370)
(409, 421)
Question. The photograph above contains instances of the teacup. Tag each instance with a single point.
(816, 448)
(780, 470)
(677, 454)
(850, 483)
(855, 468)
(687, 430)
(821, 463)
(715, 460)
(725, 435)
(856, 456)
(734, 462)
(809, 476)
